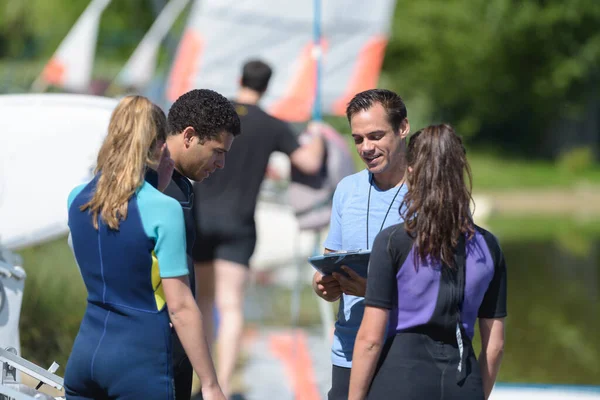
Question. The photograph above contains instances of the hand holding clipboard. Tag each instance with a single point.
(348, 267)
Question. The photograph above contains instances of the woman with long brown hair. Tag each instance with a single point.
(129, 242)
(429, 280)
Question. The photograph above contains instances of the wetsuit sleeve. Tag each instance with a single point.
(163, 221)
(381, 278)
(494, 300)
(74, 193)
(170, 248)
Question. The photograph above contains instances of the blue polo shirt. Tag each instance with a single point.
(348, 231)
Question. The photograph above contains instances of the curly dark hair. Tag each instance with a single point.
(207, 111)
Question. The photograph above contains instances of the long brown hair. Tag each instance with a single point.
(436, 208)
(135, 127)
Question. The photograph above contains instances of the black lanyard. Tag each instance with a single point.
(369, 207)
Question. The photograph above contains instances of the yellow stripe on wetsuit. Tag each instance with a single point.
(159, 294)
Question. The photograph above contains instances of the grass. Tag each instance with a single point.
(53, 303)
(493, 172)
(523, 227)
(16, 76)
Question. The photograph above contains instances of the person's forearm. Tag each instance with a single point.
(364, 360)
(489, 365)
(189, 327)
(309, 158)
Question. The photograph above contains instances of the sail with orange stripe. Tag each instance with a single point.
(223, 34)
(141, 66)
(70, 67)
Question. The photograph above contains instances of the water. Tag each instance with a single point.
(552, 330)
(553, 301)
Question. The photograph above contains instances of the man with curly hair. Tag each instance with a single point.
(201, 127)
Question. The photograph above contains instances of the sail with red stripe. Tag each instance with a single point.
(70, 67)
(141, 66)
(221, 35)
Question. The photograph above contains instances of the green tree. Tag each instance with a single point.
(496, 66)
(35, 28)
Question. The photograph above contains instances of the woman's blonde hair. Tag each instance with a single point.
(135, 127)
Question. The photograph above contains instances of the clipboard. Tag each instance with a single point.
(329, 263)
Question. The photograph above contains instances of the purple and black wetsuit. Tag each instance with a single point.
(433, 309)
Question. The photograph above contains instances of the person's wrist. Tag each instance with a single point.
(335, 298)
(315, 129)
(210, 387)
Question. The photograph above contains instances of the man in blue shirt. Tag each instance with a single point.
(363, 204)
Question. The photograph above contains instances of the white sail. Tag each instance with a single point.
(222, 34)
(33, 209)
(140, 68)
(71, 65)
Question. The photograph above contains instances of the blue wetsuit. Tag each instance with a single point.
(123, 348)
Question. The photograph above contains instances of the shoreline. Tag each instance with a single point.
(583, 202)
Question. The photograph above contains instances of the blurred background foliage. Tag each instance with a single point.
(521, 75)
